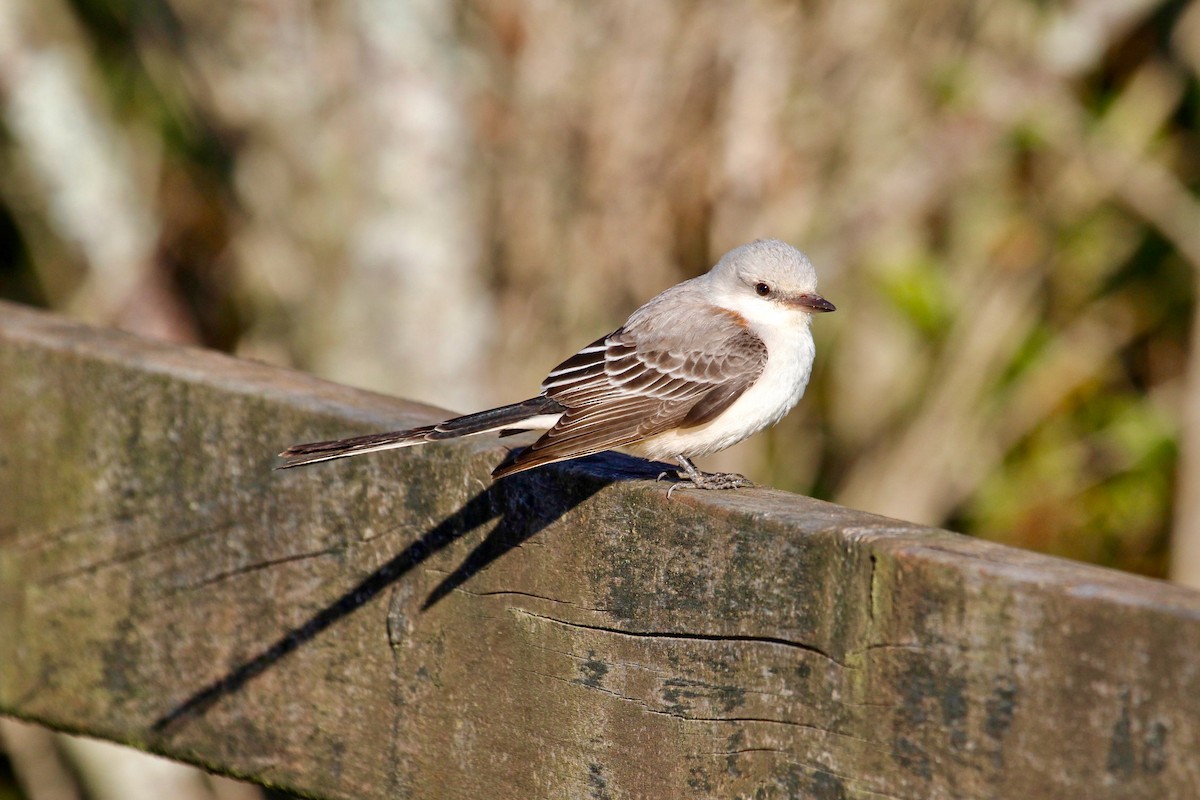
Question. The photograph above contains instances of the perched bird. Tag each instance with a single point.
(698, 368)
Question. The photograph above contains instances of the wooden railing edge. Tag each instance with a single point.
(763, 641)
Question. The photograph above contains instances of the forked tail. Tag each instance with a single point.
(538, 412)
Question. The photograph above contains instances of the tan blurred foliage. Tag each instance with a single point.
(442, 200)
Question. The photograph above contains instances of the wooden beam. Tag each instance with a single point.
(396, 626)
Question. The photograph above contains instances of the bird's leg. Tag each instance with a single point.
(706, 480)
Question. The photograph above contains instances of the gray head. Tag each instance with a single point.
(767, 278)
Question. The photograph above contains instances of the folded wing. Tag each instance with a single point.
(635, 383)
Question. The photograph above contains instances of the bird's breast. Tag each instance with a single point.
(790, 354)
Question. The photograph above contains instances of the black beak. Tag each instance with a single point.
(813, 303)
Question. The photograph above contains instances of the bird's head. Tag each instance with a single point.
(768, 281)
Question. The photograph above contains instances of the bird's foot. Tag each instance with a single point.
(692, 478)
(710, 480)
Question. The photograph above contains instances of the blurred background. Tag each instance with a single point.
(441, 200)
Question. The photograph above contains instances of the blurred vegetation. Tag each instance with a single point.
(999, 196)
(442, 200)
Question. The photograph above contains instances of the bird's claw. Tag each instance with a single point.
(709, 480)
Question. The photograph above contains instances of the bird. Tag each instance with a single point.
(697, 368)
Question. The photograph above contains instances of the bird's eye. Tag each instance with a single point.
(762, 289)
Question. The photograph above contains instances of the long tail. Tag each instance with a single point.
(538, 412)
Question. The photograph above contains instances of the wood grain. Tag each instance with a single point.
(396, 626)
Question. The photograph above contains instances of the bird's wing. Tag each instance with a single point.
(629, 385)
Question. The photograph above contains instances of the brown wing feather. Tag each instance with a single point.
(712, 404)
(629, 385)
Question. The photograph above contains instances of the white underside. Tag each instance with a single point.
(790, 353)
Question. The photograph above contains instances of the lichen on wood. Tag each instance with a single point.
(397, 626)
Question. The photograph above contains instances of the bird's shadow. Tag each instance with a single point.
(524, 504)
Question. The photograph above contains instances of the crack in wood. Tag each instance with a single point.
(745, 750)
(874, 597)
(696, 637)
(132, 556)
(675, 714)
(534, 596)
(769, 721)
(894, 646)
(247, 569)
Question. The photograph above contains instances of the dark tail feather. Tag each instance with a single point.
(505, 417)
(300, 454)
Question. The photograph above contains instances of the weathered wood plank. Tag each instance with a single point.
(393, 626)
